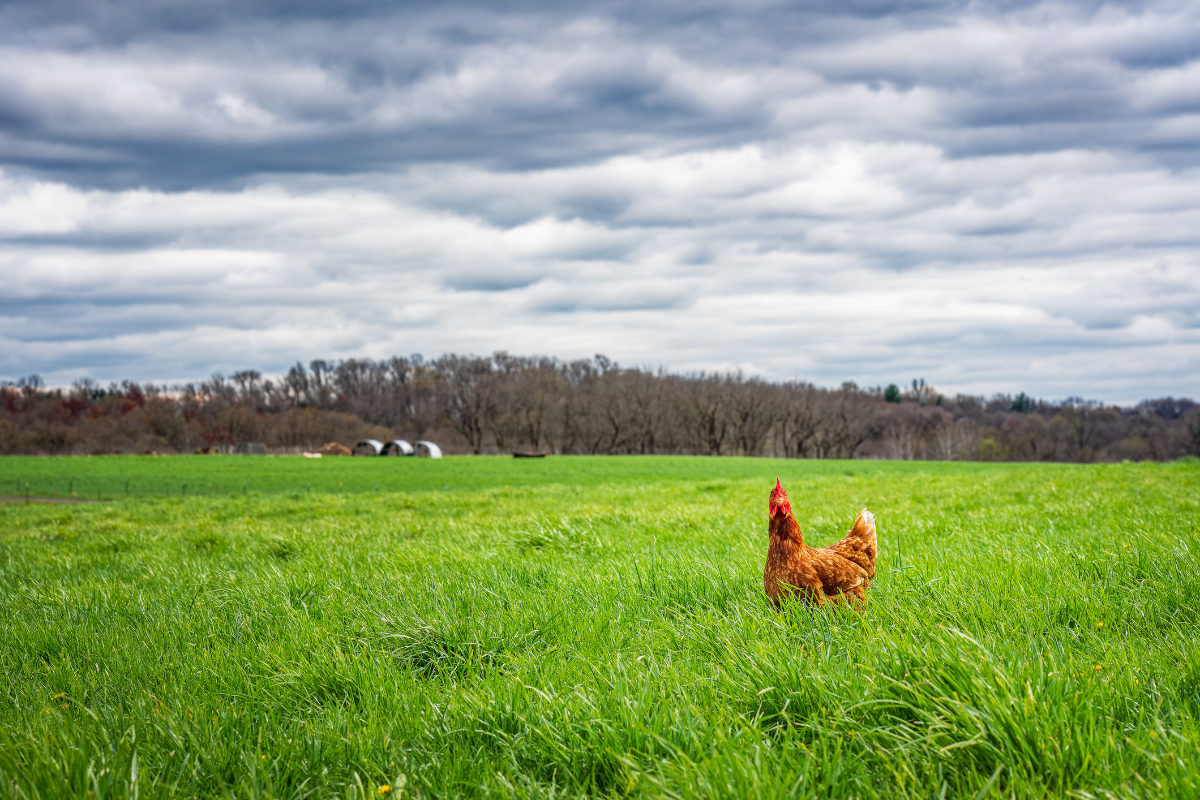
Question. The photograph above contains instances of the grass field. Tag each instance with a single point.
(596, 626)
(115, 477)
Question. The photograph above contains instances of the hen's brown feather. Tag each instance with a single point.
(839, 573)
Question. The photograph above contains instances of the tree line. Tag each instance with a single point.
(504, 403)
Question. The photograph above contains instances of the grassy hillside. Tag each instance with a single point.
(597, 627)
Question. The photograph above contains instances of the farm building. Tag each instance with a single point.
(425, 448)
(368, 447)
(398, 447)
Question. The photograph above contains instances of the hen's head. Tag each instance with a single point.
(778, 503)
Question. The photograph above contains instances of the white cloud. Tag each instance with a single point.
(994, 200)
(853, 261)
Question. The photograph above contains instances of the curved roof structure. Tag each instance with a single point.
(430, 449)
(398, 447)
(368, 447)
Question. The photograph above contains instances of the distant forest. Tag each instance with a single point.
(504, 403)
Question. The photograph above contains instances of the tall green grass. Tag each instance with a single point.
(174, 477)
(1031, 634)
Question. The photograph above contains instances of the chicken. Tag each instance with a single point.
(839, 573)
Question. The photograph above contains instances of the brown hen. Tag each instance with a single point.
(839, 573)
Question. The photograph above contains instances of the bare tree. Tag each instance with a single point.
(320, 388)
(542, 388)
(753, 411)
(294, 387)
(470, 402)
(574, 412)
(920, 393)
(703, 407)
(1081, 429)
(844, 422)
(509, 399)
(954, 439)
(1193, 433)
(798, 418)
(250, 391)
(901, 434)
(642, 395)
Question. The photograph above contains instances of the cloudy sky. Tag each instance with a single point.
(995, 196)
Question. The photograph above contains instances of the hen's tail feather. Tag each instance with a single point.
(860, 544)
(864, 527)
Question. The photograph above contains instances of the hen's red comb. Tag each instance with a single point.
(778, 499)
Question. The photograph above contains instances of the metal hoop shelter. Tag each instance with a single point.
(398, 447)
(429, 449)
(368, 447)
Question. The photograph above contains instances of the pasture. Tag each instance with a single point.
(594, 627)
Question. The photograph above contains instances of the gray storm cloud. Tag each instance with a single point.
(997, 198)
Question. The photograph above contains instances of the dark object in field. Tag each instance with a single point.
(528, 455)
(840, 573)
(334, 449)
(249, 449)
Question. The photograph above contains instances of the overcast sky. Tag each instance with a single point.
(997, 197)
